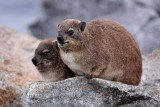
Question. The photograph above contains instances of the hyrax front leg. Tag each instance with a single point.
(97, 70)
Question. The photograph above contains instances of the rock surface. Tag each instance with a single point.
(16, 69)
(82, 92)
(130, 13)
(151, 69)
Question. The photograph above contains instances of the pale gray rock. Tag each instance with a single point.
(151, 69)
(83, 92)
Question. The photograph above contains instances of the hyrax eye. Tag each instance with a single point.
(45, 53)
(70, 32)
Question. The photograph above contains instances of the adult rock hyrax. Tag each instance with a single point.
(100, 48)
(48, 62)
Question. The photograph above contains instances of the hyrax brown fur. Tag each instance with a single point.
(48, 62)
(100, 48)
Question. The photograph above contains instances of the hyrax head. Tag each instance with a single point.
(46, 55)
(70, 34)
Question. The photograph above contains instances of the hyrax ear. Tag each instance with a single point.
(55, 44)
(82, 26)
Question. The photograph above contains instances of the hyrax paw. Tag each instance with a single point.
(90, 76)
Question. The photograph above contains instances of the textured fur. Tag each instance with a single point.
(104, 49)
(51, 66)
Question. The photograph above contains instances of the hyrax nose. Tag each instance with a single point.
(60, 39)
(34, 60)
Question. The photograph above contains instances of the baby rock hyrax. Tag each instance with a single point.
(48, 62)
(100, 48)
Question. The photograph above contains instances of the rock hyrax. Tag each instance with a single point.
(100, 48)
(48, 62)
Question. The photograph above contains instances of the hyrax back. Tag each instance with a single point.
(48, 62)
(101, 49)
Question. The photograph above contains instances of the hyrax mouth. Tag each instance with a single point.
(35, 61)
(63, 43)
(39, 64)
(66, 42)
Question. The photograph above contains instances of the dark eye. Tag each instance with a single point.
(45, 53)
(70, 32)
